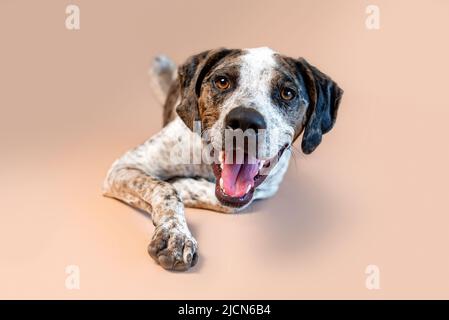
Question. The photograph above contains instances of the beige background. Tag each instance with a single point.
(375, 191)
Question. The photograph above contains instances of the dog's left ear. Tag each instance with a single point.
(191, 75)
(325, 96)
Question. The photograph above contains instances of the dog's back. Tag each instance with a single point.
(163, 74)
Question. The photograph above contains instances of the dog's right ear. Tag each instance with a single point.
(191, 75)
(325, 96)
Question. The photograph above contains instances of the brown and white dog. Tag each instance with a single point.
(189, 162)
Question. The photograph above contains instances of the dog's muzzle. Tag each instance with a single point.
(245, 118)
(239, 169)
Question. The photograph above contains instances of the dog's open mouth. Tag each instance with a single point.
(237, 180)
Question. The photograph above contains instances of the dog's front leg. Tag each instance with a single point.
(199, 192)
(172, 244)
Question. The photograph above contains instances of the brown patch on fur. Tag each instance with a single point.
(211, 98)
(209, 113)
(191, 77)
(288, 73)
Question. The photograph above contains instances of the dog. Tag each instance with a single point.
(238, 90)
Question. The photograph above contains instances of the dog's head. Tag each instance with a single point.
(258, 94)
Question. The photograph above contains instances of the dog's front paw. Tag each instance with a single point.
(173, 247)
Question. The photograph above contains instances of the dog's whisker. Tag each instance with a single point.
(293, 156)
(295, 148)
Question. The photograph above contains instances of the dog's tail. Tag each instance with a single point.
(162, 73)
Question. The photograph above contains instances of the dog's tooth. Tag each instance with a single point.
(221, 166)
(261, 163)
(221, 157)
(248, 188)
(221, 183)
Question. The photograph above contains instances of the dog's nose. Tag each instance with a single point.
(245, 118)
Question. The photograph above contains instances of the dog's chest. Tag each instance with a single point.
(185, 151)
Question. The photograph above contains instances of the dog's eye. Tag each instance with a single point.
(222, 83)
(287, 93)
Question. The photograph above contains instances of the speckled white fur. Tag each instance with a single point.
(256, 71)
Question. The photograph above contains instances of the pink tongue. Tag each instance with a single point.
(237, 177)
